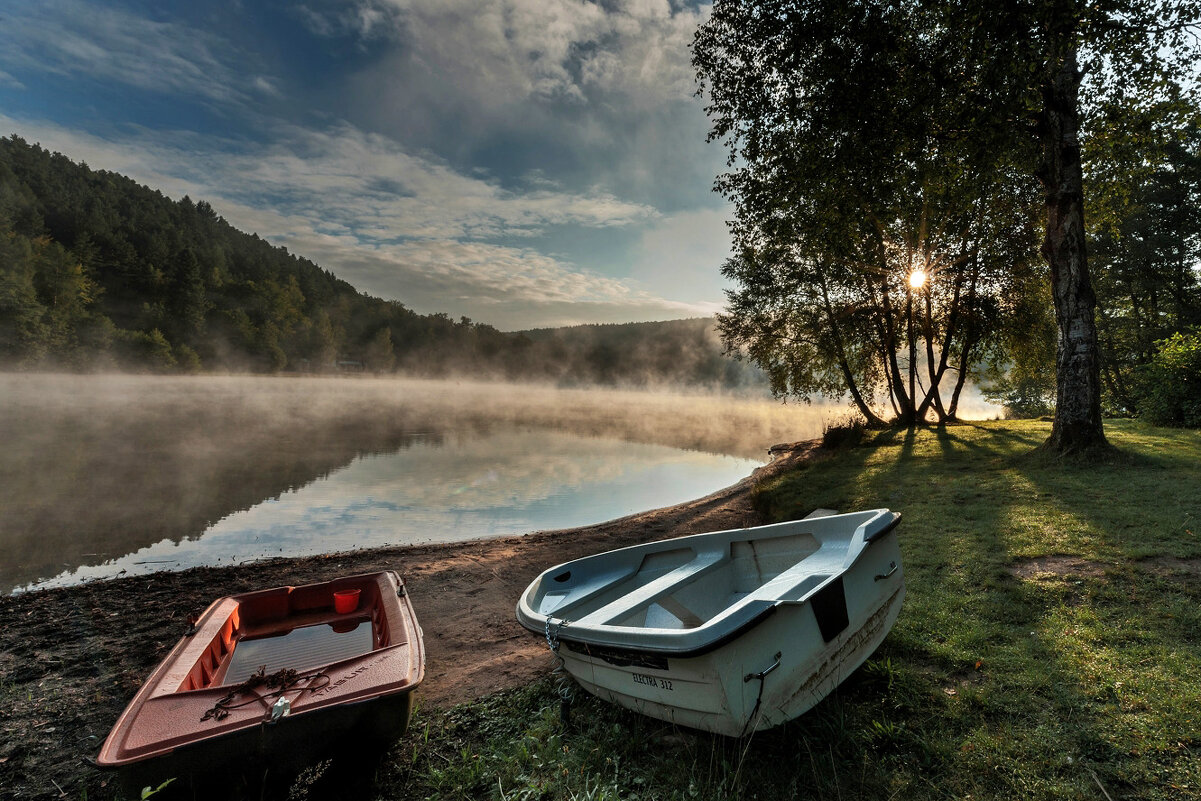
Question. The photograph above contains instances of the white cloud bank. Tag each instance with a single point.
(392, 224)
(499, 52)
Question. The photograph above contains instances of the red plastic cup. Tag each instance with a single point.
(346, 601)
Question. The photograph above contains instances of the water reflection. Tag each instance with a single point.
(95, 469)
(440, 489)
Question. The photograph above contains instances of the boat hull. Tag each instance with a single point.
(771, 668)
(265, 756)
(709, 692)
(269, 681)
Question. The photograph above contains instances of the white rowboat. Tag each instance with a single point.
(731, 631)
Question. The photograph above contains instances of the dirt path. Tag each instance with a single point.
(71, 658)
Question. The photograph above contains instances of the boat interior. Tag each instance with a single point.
(686, 586)
(287, 627)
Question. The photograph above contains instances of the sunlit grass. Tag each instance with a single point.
(1049, 647)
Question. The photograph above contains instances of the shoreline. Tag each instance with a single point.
(73, 656)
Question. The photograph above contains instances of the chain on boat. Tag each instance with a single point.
(285, 679)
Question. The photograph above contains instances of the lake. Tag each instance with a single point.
(108, 475)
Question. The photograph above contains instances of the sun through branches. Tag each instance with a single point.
(880, 246)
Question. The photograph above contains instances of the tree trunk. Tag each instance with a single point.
(969, 340)
(888, 354)
(953, 409)
(910, 411)
(872, 419)
(952, 330)
(1077, 428)
(936, 373)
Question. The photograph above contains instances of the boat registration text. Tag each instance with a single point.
(652, 681)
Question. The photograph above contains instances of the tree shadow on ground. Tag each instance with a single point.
(1014, 659)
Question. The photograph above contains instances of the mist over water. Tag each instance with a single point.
(100, 474)
(450, 489)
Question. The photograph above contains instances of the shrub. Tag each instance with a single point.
(844, 433)
(1171, 383)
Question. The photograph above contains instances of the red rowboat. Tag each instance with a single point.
(272, 680)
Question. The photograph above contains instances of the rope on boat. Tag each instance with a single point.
(284, 679)
(759, 698)
(565, 685)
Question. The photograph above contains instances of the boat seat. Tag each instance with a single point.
(680, 612)
(804, 577)
(656, 592)
(665, 610)
(791, 585)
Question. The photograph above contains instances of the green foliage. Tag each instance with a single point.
(860, 128)
(858, 160)
(1021, 374)
(186, 359)
(150, 792)
(843, 434)
(1144, 169)
(1023, 394)
(1171, 383)
(378, 356)
(636, 354)
(23, 334)
(148, 350)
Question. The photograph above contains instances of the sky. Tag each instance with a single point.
(524, 163)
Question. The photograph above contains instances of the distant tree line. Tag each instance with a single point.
(99, 272)
(688, 352)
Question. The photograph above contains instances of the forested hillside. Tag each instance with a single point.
(99, 272)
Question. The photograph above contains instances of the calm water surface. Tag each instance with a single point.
(108, 475)
(444, 488)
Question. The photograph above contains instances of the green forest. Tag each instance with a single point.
(98, 272)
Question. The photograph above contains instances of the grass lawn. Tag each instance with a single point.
(1049, 647)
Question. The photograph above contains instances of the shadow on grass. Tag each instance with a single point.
(1031, 701)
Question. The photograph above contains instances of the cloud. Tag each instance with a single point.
(495, 158)
(582, 89)
(340, 179)
(393, 224)
(335, 18)
(511, 288)
(505, 50)
(681, 255)
(368, 185)
(71, 38)
(266, 86)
